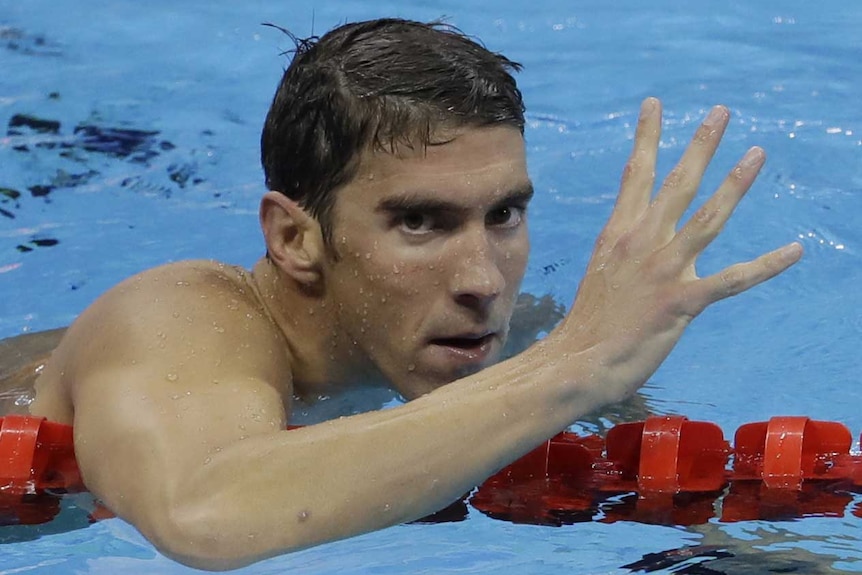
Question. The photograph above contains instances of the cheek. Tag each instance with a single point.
(386, 292)
(514, 262)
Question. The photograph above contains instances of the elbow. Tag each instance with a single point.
(208, 540)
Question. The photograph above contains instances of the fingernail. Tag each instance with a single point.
(649, 106)
(752, 157)
(715, 116)
(792, 251)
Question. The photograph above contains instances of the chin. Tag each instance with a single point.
(416, 387)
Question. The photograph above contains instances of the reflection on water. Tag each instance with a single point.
(789, 71)
(21, 360)
(769, 549)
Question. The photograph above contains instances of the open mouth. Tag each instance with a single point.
(465, 343)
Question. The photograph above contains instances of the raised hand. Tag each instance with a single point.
(641, 289)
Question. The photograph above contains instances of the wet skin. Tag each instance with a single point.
(431, 250)
(180, 380)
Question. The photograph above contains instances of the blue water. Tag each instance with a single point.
(201, 75)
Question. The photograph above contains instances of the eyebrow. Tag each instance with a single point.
(426, 202)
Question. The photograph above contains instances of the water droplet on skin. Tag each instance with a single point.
(171, 377)
(411, 367)
(175, 315)
(218, 328)
(303, 515)
(207, 460)
(175, 396)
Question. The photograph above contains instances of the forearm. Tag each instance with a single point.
(285, 491)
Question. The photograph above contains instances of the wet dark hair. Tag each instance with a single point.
(377, 85)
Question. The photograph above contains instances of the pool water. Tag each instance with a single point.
(130, 138)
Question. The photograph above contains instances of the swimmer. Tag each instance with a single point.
(396, 241)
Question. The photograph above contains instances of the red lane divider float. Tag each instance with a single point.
(665, 469)
(670, 470)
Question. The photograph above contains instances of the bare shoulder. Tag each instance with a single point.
(195, 321)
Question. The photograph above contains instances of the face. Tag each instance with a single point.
(432, 246)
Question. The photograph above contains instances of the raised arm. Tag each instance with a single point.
(194, 455)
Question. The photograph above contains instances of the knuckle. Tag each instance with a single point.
(638, 169)
(706, 215)
(625, 244)
(703, 134)
(737, 175)
(676, 177)
(629, 170)
(732, 280)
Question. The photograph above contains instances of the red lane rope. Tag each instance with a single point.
(787, 466)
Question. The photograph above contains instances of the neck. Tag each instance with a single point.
(321, 362)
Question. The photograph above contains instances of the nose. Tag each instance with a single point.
(477, 279)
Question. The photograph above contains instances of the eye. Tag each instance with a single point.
(415, 223)
(505, 217)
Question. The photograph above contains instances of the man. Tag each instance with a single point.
(396, 242)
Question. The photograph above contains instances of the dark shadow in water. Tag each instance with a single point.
(29, 517)
(735, 558)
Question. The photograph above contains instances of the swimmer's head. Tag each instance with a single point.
(377, 85)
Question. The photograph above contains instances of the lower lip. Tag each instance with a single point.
(461, 356)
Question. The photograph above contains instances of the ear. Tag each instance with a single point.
(294, 240)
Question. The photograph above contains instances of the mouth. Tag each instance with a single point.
(464, 352)
(466, 343)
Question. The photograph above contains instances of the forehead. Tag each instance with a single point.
(474, 164)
